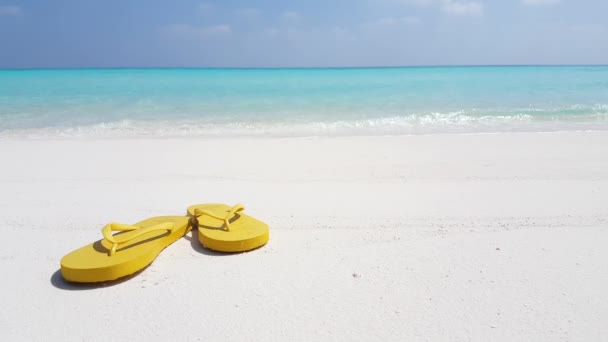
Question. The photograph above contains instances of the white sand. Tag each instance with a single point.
(451, 238)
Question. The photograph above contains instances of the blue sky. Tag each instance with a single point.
(280, 33)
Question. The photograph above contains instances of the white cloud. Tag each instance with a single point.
(540, 2)
(472, 8)
(454, 7)
(217, 30)
(291, 16)
(390, 26)
(384, 22)
(402, 2)
(390, 21)
(10, 11)
(183, 30)
(271, 31)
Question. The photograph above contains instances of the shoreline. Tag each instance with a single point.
(286, 137)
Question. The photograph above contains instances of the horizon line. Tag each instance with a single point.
(301, 67)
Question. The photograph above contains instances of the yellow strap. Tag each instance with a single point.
(226, 218)
(119, 227)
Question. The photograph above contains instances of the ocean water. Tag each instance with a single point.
(301, 102)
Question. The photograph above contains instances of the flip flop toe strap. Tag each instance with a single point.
(117, 240)
(226, 218)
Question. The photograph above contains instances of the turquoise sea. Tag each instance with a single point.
(301, 102)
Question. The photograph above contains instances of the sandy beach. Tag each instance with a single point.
(480, 237)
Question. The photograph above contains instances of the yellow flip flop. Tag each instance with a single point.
(119, 255)
(227, 229)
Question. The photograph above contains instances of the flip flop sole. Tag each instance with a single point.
(92, 263)
(246, 233)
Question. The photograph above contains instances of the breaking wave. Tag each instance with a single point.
(430, 123)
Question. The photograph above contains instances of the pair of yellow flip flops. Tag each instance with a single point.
(220, 227)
